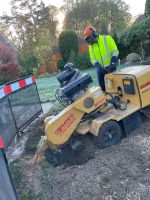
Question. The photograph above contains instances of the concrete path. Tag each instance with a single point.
(46, 107)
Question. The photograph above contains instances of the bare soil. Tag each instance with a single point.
(121, 172)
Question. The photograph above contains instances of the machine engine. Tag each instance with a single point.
(72, 85)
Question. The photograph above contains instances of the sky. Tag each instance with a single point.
(136, 6)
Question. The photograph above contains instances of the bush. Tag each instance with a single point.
(136, 38)
(60, 64)
(35, 72)
(27, 62)
(68, 41)
(147, 8)
(9, 71)
(2, 81)
(146, 46)
(80, 60)
(25, 72)
(133, 57)
(43, 51)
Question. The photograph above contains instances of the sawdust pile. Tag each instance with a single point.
(117, 173)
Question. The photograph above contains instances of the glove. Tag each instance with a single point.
(98, 66)
(112, 66)
(114, 59)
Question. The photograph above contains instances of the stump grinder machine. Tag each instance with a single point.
(108, 116)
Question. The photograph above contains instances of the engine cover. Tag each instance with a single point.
(75, 86)
(65, 76)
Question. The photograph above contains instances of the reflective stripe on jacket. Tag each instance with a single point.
(103, 51)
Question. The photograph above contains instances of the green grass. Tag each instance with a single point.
(16, 172)
(47, 86)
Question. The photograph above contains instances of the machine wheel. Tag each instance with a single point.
(55, 159)
(109, 134)
(145, 113)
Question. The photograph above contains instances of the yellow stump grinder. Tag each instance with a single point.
(108, 116)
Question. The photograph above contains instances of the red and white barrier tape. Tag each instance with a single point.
(1, 143)
(16, 86)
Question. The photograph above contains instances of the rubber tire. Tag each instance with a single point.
(108, 126)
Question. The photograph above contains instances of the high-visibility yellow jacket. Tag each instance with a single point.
(103, 50)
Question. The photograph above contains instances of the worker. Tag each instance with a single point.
(103, 53)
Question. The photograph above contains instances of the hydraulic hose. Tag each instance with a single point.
(117, 106)
(114, 103)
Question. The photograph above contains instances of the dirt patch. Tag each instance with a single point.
(121, 172)
(88, 153)
(118, 173)
(33, 179)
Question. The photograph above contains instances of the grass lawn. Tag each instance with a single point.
(47, 85)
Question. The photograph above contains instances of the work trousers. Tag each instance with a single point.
(101, 72)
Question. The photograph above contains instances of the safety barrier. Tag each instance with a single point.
(19, 106)
(7, 187)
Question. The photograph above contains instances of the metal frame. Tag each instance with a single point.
(9, 174)
(24, 125)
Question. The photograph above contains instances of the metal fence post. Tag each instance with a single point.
(39, 98)
(13, 116)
